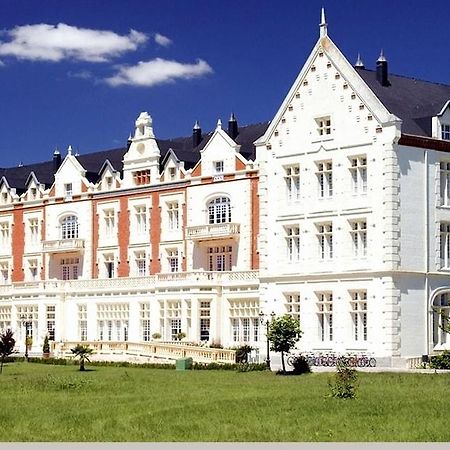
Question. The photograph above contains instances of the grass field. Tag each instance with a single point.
(58, 403)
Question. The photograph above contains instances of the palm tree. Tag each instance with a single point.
(82, 352)
(7, 343)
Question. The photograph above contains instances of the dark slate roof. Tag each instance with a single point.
(413, 101)
(93, 162)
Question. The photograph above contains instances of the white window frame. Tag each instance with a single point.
(292, 243)
(141, 217)
(445, 245)
(325, 178)
(358, 234)
(445, 131)
(292, 180)
(359, 315)
(69, 227)
(324, 126)
(325, 239)
(444, 178)
(358, 171)
(219, 210)
(325, 316)
(173, 214)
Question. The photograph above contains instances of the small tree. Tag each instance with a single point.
(7, 344)
(82, 352)
(284, 333)
(46, 346)
(345, 380)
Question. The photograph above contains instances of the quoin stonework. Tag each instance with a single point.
(337, 211)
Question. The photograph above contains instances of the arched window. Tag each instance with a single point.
(441, 308)
(219, 210)
(69, 227)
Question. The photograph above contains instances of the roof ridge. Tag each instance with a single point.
(438, 83)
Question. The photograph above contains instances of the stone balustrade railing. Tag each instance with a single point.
(211, 231)
(154, 349)
(132, 283)
(60, 245)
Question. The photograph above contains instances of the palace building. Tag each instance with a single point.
(337, 211)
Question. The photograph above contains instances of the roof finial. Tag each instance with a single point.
(56, 152)
(219, 125)
(359, 62)
(232, 117)
(323, 24)
(69, 150)
(381, 57)
(196, 125)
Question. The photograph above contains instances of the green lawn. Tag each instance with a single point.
(58, 403)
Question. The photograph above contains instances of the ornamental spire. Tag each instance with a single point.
(323, 24)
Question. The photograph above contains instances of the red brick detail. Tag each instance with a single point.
(18, 243)
(239, 164)
(183, 260)
(254, 223)
(155, 233)
(94, 239)
(197, 170)
(83, 187)
(123, 269)
(229, 177)
(182, 176)
(52, 192)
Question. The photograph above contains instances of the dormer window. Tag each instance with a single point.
(445, 132)
(218, 167)
(109, 182)
(172, 173)
(4, 197)
(33, 193)
(68, 190)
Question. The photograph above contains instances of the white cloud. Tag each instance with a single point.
(57, 42)
(157, 71)
(2, 63)
(164, 41)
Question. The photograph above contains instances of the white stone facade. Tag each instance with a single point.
(336, 222)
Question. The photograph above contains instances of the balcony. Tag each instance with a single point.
(213, 231)
(63, 245)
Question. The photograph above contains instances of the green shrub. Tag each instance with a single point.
(300, 365)
(215, 345)
(156, 335)
(441, 361)
(46, 346)
(345, 379)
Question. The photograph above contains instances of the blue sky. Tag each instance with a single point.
(80, 72)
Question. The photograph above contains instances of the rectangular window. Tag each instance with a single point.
(445, 245)
(445, 132)
(173, 216)
(82, 322)
(325, 237)
(293, 243)
(172, 260)
(358, 171)
(359, 315)
(292, 304)
(218, 167)
(445, 183)
(110, 222)
(4, 234)
(220, 258)
(145, 322)
(69, 268)
(5, 317)
(51, 321)
(109, 265)
(172, 173)
(325, 178)
(33, 269)
(292, 180)
(205, 320)
(359, 238)
(141, 263)
(140, 215)
(141, 177)
(33, 225)
(325, 315)
(68, 190)
(4, 272)
(175, 327)
(323, 126)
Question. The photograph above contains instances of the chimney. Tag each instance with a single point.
(196, 135)
(56, 160)
(382, 70)
(233, 129)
